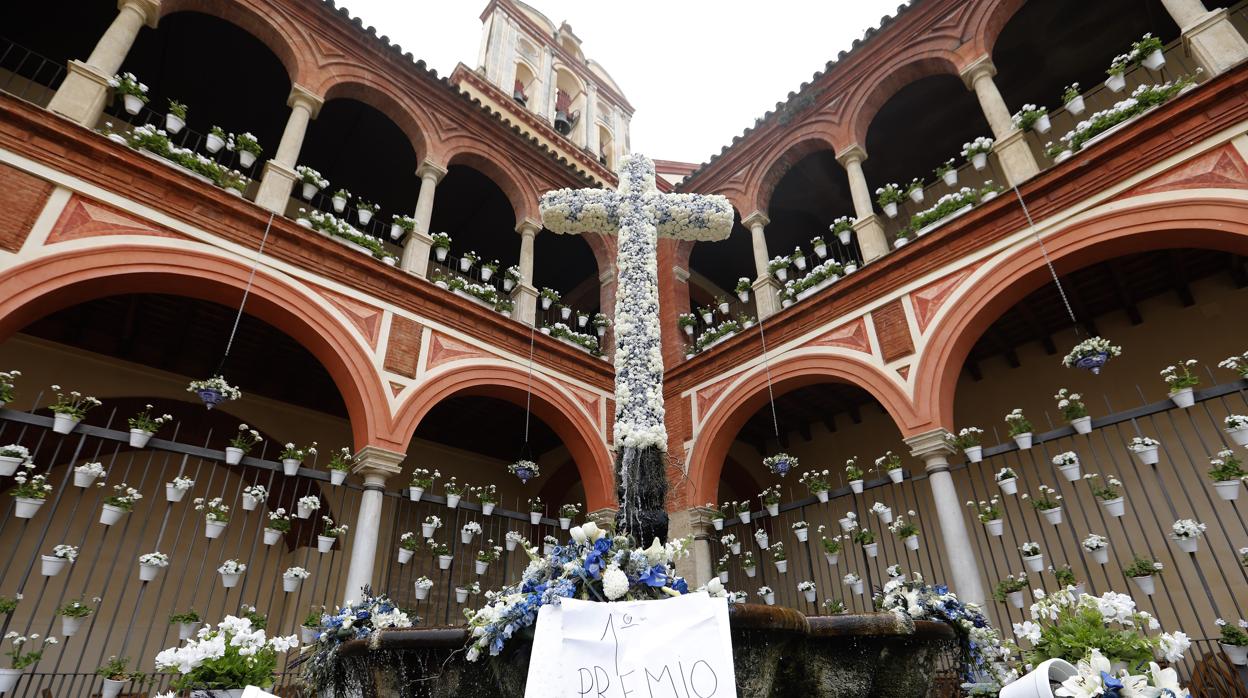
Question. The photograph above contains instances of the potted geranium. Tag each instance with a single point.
(401, 225)
(430, 525)
(1048, 503)
(1032, 118)
(1020, 428)
(914, 190)
(831, 547)
(29, 492)
(216, 139)
(279, 523)
(69, 409)
(488, 496)
(248, 659)
(883, 511)
(1227, 472)
(779, 268)
(150, 565)
(20, 658)
(1117, 81)
(329, 534)
(133, 93)
(1181, 381)
(902, 238)
(231, 571)
(118, 504)
(888, 196)
(1032, 557)
(216, 515)
(808, 590)
(1073, 410)
(976, 151)
(1238, 364)
(801, 529)
(339, 465)
(767, 595)
(253, 495)
(731, 542)
(818, 482)
(116, 675)
(1109, 493)
(306, 505)
(340, 199)
(761, 538)
(1186, 534)
(62, 556)
(423, 585)
(14, 455)
(1234, 641)
(1068, 464)
(243, 441)
(442, 552)
(1011, 589)
(310, 628)
(687, 322)
(177, 488)
(454, 492)
(187, 622)
(143, 425)
(1236, 428)
(248, 149)
(467, 531)
(73, 614)
(1091, 354)
(548, 297)
(1073, 99)
(1007, 480)
(364, 211)
(1145, 448)
(292, 457)
(779, 557)
(512, 539)
(468, 261)
(1097, 546)
(487, 554)
(989, 514)
(408, 545)
(536, 510)
(213, 391)
(175, 118)
(948, 172)
(906, 530)
(866, 539)
(293, 577)
(1142, 571)
(85, 475)
(890, 463)
(748, 564)
(771, 500)
(511, 277)
(848, 522)
(601, 322)
(441, 244)
(312, 181)
(1148, 52)
(969, 441)
(854, 582)
(842, 228)
(422, 479)
(853, 474)
(567, 512)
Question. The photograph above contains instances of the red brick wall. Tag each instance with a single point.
(893, 331)
(21, 199)
(404, 348)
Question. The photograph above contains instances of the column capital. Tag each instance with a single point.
(430, 169)
(755, 218)
(700, 522)
(850, 154)
(930, 444)
(602, 518)
(377, 464)
(529, 227)
(149, 10)
(607, 275)
(978, 68)
(302, 96)
(681, 274)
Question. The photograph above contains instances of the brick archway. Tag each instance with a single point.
(745, 397)
(33, 290)
(285, 41)
(1200, 222)
(509, 382)
(806, 141)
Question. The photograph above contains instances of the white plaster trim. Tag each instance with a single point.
(383, 337)
(52, 210)
(422, 358)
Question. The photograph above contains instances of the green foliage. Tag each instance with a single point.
(1080, 628)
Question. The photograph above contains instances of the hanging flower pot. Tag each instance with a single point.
(801, 533)
(916, 195)
(250, 502)
(856, 587)
(773, 509)
(444, 562)
(1228, 490)
(873, 549)
(405, 555)
(70, 626)
(1034, 563)
(1076, 106)
(855, 486)
(246, 158)
(979, 160)
(339, 203)
(1147, 456)
(415, 493)
(1188, 545)
(1114, 507)
(291, 584)
(1015, 598)
(139, 438)
(112, 688)
(175, 494)
(847, 524)
(900, 243)
(995, 527)
(974, 454)
(885, 514)
(233, 456)
(440, 253)
(1071, 472)
(461, 595)
(8, 679)
(1082, 425)
(822, 496)
(187, 631)
(272, 536)
(110, 514)
(213, 529)
(1053, 516)
(82, 478)
(51, 565)
(535, 517)
(782, 566)
(1116, 83)
(750, 571)
(1147, 585)
(465, 537)
(1154, 60)
(1239, 435)
(290, 466)
(896, 475)
(427, 529)
(1183, 398)
(307, 635)
(832, 558)
(133, 103)
(452, 501)
(64, 423)
(148, 573)
(303, 511)
(174, 123)
(211, 397)
(890, 209)
(481, 567)
(912, 542)
(1023, 441)
(337, 477)
(324, 544)
(214, 143)
(1236, 654)
(26, 507)
(565, 522)
(364, 215)
(1038, 683)
(763, 540)
(229, 581)
(950, 177)
(308, 191)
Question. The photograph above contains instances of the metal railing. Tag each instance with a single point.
(28, 75)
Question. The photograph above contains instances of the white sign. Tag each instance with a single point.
(253, 692)
(672, 648)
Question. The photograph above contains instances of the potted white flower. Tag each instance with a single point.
(216, 139)
(731, 542)
(306, 505)
(1238, 364)
(854, 582)
(968, 440)
(143, 425)
(801, 529)
(430, 524)
(29, 492)
(86, 474)
(118, 504)
(14, 455)
(866, 539)
(1068, 464)
(1237, 428)
(567, 512)
(883, 511)
(1091, 354)
(423, 585)
(248, 149)
(249, 658)
(69, 409)
(62, 556)
(1143, 572)
(1073, 410)
(1227, 473)
(976, 151)
(1186, 534)
(311, 180)
(292, 457)
(454, 492)
(914, 190)
(176, 490)
(1073, 99)
(400, 226)
(1032, 118)
(1117, 81)
(842, 228)
(487, 554)
(808, 590)
(488, 496)
(188, 622)
(948, 172)
(1032, 557)
(1048, 503)
(216, 515)
(771, 500)
(1097, 547)
(743, 511)
(779, 268)
(512, 539)
(293, 577)
(231, 571)
(442, 552)
(831, 547)
(73, 614)
(536, 510)
(116, 675)
(1148, 52)
(748, 564)
(1109, 494)
(20, 658)
(339, 200)
(1234, 641)
(853, 474)
(133, 93)
(989, 514)
(818, 482)
(849, 522)
(175, 118)
(468, 531)
(279, 523)
(329, 534)
(779, 557)
(1145, 449)
(364, 210)
(253, 496)
(408, 544)
(907, 531)
(1011, 589)
(1020, 428)
(761, 538)
(243, 441)
(1181, 382)
(888, 196)
(767, 595)
(310, 629)
(422, 479)
(1007, 480)
(150, 565)
(890, 463)
(339, 465)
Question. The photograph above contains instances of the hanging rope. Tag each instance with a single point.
(528, 397)
(771, 396)
(1047, 262)
(229, 344)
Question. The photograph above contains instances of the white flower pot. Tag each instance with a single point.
(461, 595)
(1009, 485)
(1114, 507)
(1038, 683)
(1188, 545)
(339, 203)
(773, 509)
(1043, 124)
(52, 565)
(723, 577)
(187, 631)
(912, 542)
(64, 423)
(174, 494)
(511, 543)
(133, 103)
(799, 262)
(822, 496)
(1082, 425)
(810, 595)
(1015, 598)
(1100, 556)
(1183, 398)
(535, 517)
(307, 635)
(290, 466)
(465, 537)
(174, 124)
(250, 503)
(487, 508)
(832, 558)
(770, 599)
(847, 524)
(233, 456)
(337, 477)
(452, 501)
(1072, 473)
(214, 143)
(272, 536)
(70, 626)
(735, 548)
(324, 544)
(708, 318)
(213, 529)
(979, 161)
(8, 679)
(426, 530)
(856, 587)
(110, 514)
(974, 454)
(405, 555)
(422, 592)
(801, 533)
(855, 486)
(745, 517)
(886, 516)
(1227, 489)
(139, 438)
(1147, 456)
(303, 511)
(148, 573)
(873, 549)
(565, 522)
(1239, 436)
(1034, 563)
(994, 527)
(309, 191)
(916, 195)
(900, 243)
(1063, 156)
(246, 158)
(844, 236)
(1147, 585)
(465, 264)
(1023, 441)
(444, 562)
(415, 493)
(481, 567)
(25, 507)
(750, 571)
(1237, 654)
(1116, 83)
(81, 479)
(364, 215)
(8, 466)
(896, 475)
(763, 540)
(782, 566)
(950, 177)
(112, 688)
(1053, 516)
(229, 581)
(487, 274)
(890, 209)
(1154, 60)
(1075, 106)
(290, 584)
(718, 524)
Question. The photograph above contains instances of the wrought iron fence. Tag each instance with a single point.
(28, 75)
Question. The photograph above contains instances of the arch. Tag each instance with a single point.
(502, 172)
(988, 18)
(747, 395)
(54, 282)
(782, 162)
(1202, 221)
(284, 41)
(526, 79)
(366, 87)
(875, 93)
(559, 411)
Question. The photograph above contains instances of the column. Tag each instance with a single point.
(699, 567)
(1011, 148)
(375, 465)
(868, 228)
(766, 288)
(85, 92)
(279, 171)
(934, 450)
(591, 120)
(1210, 36)
(416, 248)
(524, 295)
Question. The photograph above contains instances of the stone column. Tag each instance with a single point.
(699, 567)
(1210, 36)
(934, 450)
(279, 172)
(869, 229)
(766, 288)
(416, 249)
(524, 295)
(591, 120)
(85, 92)
(1011, 148)
(375, 465)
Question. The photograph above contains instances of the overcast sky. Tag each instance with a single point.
(698, 72)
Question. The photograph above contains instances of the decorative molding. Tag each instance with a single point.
(928, 301)
(365, 318)
(1220, 168)
(84, 218)
(851, 335)
(443, 349)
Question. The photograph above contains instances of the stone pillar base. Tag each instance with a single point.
(276, 184)
(766, 296)
(1215, 43)
(871, 239)
(698, 568)
(83, 95)
(1016, 158)
(416, 253)
(524, 297)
